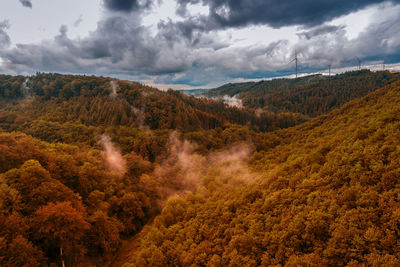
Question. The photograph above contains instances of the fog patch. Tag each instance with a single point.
(233, 101)
(185, 171)
(26, 87)
(140, 117)
(112, 155)
(114, 89)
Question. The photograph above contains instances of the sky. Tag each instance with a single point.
(183, 44)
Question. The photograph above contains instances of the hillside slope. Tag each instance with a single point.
(237, 196)
(99, 101)
(79, 109)
(311, 95)
(325, 194)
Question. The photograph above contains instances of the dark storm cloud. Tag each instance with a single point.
(26, 3)
(120, 45)
(127, 5)
(317, 48)
(191, 30)
(275, 13)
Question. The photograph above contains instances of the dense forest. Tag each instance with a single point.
(104, 101)
(78, 109)
(326, 194)
(311, 95)
(91, 164)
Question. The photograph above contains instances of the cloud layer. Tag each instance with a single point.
(191, 51)
(275, 13)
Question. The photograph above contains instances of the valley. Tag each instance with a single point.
(111, 172)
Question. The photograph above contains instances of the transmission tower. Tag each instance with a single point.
(295, 59)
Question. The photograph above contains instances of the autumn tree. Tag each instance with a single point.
(60, 227)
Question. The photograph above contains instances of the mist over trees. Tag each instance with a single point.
(326, 195)
(90, 165)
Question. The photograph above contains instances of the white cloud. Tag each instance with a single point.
(356, 22)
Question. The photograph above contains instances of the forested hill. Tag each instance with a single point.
(88, 162)
(102, 101)
(326, 194)
(312, 95)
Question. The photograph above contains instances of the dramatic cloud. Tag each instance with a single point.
(275, 13)
(119, 46)
(26, 3)
(118, 43)
(192, 52)
(376, 42)
(127, 5)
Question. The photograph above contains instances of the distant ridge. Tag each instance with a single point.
(310, 95)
